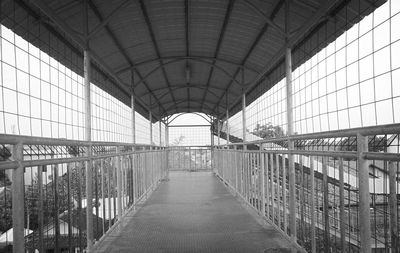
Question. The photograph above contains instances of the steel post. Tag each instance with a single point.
(393, 207)
(212, 149)
(151, 127)
(88, 131)
(289, 112)
(364, 196)
(17, 189)
(267, 182)
(278, 192)
(262, 180)
(325, 189)
(219, 131)
(119, 184)
(133, 122)
(312, 207)
(291, 168)
(271, 166)
(342, 216)
(41, 206)
(227, 127)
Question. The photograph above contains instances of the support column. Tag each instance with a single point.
(289, 112)
(133, 126)
(119, 184)
(17, 189)
(244, 116)
(159, 124)
(151, 128)
(292, 175)
(166, 135)
(167, 146)
(133, 112)
(393, 207)
(88, 131)
(227, 126)
(219, 131)
(262, 180)
(212, 147)
(364, 198)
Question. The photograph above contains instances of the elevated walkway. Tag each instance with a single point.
(193, 212)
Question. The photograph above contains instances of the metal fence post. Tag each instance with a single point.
(341, 203)
(312, 207)
(119, 183)
(262, 182)
(17, 188)
(325, 189)
(364, 198)
(393, 207)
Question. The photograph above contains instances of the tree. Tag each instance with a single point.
(268, 131)
(5, 210)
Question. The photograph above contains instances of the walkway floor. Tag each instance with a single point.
(193, 212)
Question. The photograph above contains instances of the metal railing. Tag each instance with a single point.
(62, 195)
(345, 196)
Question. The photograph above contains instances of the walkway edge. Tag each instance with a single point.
(263, 221)
(131, 210)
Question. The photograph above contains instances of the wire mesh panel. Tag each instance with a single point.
(351, 82)
(330, 211)
(54, 190)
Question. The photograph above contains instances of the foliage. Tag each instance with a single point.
(5, 210)
(268, 131)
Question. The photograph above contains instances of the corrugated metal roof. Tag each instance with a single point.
(158, 39)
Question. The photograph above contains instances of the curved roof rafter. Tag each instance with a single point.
(183, 87)
(175, 116)
(167, 58)
(163, 64)
(191, 85)
(181, 101)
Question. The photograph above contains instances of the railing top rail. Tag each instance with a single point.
(188, 146)
(31, 140)
(365, 131)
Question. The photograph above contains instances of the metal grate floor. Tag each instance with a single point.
(193, 212)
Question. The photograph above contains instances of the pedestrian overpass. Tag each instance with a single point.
(199, 126)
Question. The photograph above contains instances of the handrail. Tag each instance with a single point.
(371, 130)
(322, 169)
(31, 140)
(133, 173)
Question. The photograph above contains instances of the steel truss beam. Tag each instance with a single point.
(204, 59)
(107, 19)
(161, 66)
(70, 33)
(175, 116)
(120, 48)
(153, 39)
(181, 101)
(274, 11)
(185, 87)
(217, 48)
(319, 15)
(194, 85)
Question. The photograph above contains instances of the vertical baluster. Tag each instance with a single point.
(312, 207)
(327, 242)
(262, 180)
(393, 207)
(364, 195)
(279, 186)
